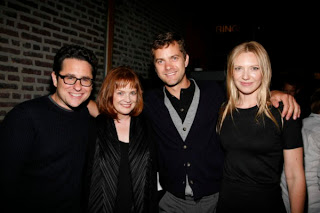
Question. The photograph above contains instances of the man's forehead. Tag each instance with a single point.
(169, 49)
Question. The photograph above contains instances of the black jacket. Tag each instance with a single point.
(105, 151)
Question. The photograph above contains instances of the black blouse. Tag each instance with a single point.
(124, 194)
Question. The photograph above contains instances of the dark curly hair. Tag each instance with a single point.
(77, 52)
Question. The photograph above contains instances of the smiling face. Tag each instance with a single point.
(247, 75)
(170, 65)
(124, 100)
(70, 96)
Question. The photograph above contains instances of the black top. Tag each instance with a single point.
(124, 194)
(42, 156)
(254, 160)
(182, 105)
(133, 164)
(254, 151)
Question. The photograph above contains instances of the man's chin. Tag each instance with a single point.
(78, 106)
(171, 84)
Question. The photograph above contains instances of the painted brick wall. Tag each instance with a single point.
(32, 31)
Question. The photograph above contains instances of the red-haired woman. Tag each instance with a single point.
(122, 175)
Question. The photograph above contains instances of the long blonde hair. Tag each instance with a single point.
(263, 99)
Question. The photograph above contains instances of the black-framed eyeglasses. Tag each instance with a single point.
(71, 80)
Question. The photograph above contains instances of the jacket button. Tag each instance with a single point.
(188, 164)
(184, 146)
(191, 182)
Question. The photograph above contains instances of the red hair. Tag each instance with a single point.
(116, 78)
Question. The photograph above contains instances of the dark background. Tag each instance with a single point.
(288, 33)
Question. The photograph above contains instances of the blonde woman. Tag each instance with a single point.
(256, 140)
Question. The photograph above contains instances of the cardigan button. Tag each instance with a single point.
(184, 129)
(184, 146)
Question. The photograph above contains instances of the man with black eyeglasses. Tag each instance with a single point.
(43, 141)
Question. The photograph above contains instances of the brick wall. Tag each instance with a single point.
(32, 31)
(136, 24)
(30, 34)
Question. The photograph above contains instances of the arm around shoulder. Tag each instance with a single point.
(290, 105)
(93, 108)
